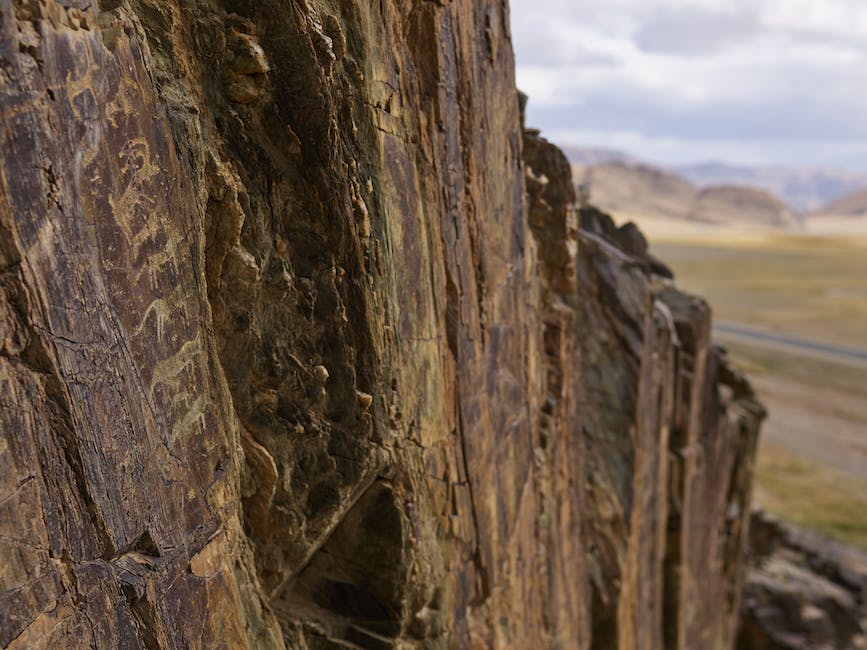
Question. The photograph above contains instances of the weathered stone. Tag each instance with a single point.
(668, 454)
(296, 350)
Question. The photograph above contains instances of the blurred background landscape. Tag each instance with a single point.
(732, 133)
(768, 269)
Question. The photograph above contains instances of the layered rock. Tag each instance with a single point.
(297, 351)
(670, 431)
(802, 591)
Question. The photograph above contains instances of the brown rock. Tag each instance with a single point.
(802, 591)
(553, 452)
(667, 458)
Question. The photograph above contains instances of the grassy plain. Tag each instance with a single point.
(814, 287)
(812, 463)
(809, 494)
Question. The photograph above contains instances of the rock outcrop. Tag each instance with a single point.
(296, 350)
(802, 591)
(670, 431)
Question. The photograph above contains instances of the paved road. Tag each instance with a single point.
(827, 351)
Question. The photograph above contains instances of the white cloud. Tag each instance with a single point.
(837, 18)
(678, 151)
(757, 78)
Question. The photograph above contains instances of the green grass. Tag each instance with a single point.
(791, 485)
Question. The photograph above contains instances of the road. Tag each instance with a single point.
(825, 351)
(822, 421)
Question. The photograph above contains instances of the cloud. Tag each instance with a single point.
(695, 31)
(846, 154)
(766, 76)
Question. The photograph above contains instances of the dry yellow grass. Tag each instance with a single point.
(812, 495)
(815, 287)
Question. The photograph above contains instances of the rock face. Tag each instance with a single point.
(296, 350)
(670, 432)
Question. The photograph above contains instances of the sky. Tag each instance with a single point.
(682, 81)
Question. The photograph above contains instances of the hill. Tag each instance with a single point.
(585, 156)
(742, 205)
(638, 190)
(851, 205)
(805, 189)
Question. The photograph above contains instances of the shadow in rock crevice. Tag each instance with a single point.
(352, 590)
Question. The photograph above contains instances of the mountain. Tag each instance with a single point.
(805, 189)
(850, 205)
(630, 189)
(595, 156)
(639, 190)
(731, 204)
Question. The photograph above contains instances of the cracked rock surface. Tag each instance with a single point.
(304, 344)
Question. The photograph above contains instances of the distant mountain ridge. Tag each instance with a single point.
(850, 205)
(741, 204)
(630, 189)
(596, 156)
(641, 191)
(804, 189)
